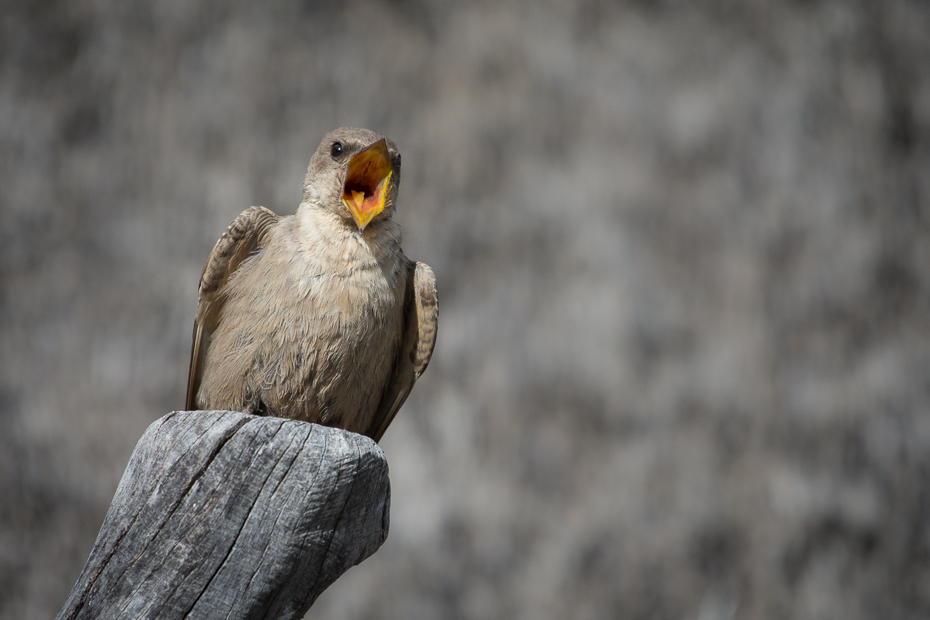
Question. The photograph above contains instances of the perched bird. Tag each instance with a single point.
(318, 316)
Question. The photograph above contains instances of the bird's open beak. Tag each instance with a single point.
(366, 183)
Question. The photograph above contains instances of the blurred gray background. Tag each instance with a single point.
(683, 252)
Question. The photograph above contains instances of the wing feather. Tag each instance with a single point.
(421, 319)
(245, 235)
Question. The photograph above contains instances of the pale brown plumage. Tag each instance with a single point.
(317, 316)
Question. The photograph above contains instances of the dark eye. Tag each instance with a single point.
(336, 151)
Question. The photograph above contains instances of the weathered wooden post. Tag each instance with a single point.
(226, 515)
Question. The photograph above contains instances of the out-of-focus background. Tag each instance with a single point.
(683, 251)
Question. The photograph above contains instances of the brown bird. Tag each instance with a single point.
(318, 316)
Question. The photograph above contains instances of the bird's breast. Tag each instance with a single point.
(353, 287)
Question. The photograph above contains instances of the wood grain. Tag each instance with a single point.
(226, 515)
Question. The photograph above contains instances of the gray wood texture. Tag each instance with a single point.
(226, 515)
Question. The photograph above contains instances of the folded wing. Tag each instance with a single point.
(421, 318)
(244, 236)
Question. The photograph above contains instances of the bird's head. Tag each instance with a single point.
(355, 174)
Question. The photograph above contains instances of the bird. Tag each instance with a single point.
(317, 316)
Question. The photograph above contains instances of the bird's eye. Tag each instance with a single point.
(336, 151)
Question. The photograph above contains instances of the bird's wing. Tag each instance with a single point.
(421, 318)
(244, 236)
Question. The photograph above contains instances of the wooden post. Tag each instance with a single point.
(227, 515)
